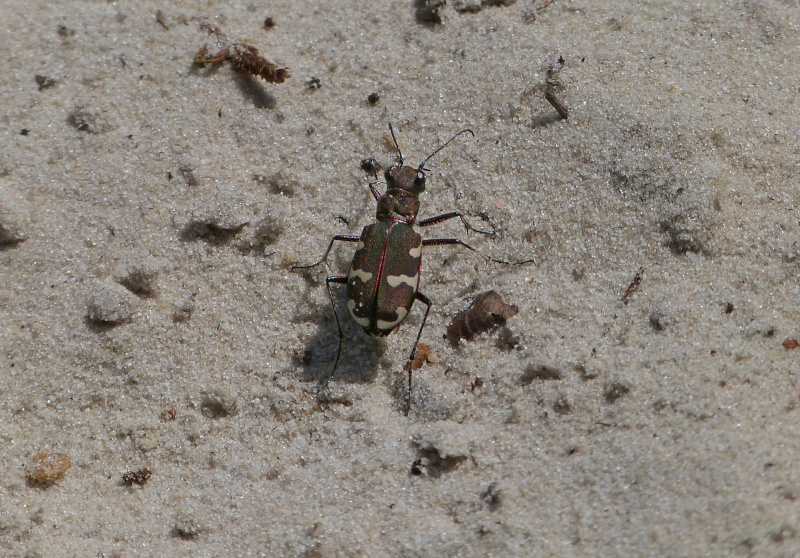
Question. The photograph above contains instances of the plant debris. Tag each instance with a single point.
(243, 58)
(486, 311)
(633, 286)
(423, 354)
(553, 83)
(556, 103)
(136, 476)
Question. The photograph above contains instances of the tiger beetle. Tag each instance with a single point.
(383, 281)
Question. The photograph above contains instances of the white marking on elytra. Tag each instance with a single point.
(363, 322)
(416, 252)
(359, 246)
(387, 326)
(396, 280)
(361, 274)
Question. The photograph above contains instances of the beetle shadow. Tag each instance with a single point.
(358, 362)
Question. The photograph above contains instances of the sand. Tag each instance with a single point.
(150, 211)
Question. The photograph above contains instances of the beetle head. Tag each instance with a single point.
(405, 178)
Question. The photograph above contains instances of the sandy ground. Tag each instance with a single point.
(150, 211)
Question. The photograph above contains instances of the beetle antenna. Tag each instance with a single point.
(422, 164)
(394, 139)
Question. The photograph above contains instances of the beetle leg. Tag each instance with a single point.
(342, 237)
(445, 216)
(341, 280)
(443, 241)
(374, 190)
(427, 302)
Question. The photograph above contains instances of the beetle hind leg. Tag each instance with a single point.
(340, 237)
(339, 280)
(409, 363)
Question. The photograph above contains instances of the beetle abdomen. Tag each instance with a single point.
(384, 276)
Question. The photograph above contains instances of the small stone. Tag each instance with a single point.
(48, 467)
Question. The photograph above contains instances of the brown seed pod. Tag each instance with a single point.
(245, 58)
(242, 57)
(486, 311)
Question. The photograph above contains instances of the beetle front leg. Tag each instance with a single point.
(409, 364)
(445, 216)
(444, 241)
(340, 280)
(376, 194)
(342, 237)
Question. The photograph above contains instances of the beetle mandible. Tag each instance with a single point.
(383, 281)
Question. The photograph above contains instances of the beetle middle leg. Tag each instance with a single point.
(409, 364)
(444, 241)
(335, 279)
(451, 215)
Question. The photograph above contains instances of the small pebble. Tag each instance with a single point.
(48, 467)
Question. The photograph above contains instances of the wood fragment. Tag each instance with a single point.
(556, 104)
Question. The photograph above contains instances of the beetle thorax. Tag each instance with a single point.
(398, 205)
